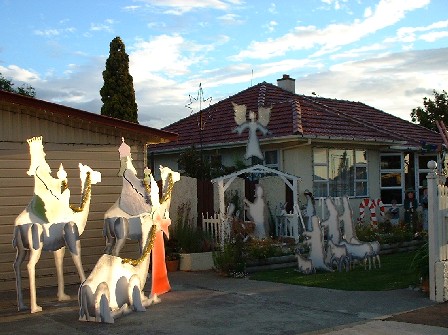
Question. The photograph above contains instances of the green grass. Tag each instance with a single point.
(395, 273)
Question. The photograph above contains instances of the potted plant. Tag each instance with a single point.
(172, 261)
(194, 245)
(172, 255)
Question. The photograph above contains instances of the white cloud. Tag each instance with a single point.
(333, 36)
(18, 74)
(271, 26)
(54, 32)
(394, 83)
(171, 55)
(106, 26)
(180, 7)
(231, 19)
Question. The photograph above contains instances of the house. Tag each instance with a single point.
(70, 136)
(337, 147)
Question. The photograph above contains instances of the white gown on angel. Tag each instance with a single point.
(253, 145)
(257, 212)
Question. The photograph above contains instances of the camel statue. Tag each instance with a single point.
(43, 226)
(315, 239)
(332, 222)
(115, 285)
(347, 219)
(122, 222)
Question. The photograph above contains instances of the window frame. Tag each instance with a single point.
(325, 182)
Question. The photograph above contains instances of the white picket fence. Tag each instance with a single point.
(289, 224)
(217, 227)
(437, 236)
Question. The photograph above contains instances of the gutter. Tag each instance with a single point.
(289, 138)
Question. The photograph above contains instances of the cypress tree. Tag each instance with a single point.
(117, 93)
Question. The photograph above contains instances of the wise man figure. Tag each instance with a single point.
(134, 198)
(51, 197)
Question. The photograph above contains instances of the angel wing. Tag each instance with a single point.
(264, 113)
(240, 113)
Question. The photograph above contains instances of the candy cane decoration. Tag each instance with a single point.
(370, 204)
(380, 205)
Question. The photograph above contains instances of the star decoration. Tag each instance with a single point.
(192, 105)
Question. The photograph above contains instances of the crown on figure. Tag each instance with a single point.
(124, 149)
(35, 141)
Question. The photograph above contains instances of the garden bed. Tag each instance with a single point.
(400, 246)
(271, 263)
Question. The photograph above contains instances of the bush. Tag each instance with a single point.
(420, 262)
(384, 232)
(262, 249)
(230, 260)
(186, 236)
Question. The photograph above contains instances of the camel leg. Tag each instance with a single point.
(36, 244)
(71, 236)
(121, 228)
(108, 235)
(59, 260)
(20, 257)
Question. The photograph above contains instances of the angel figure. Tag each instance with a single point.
(253, 145)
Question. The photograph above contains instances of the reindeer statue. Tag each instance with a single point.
(49, 223)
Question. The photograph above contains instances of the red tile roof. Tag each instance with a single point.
(300, 115)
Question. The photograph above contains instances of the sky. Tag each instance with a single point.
(388, 54)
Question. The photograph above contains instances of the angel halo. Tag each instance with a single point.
(253, 145)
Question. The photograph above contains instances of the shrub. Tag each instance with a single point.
(186, 236)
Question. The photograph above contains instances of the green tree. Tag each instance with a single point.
(432, 110)
(8, 86)
(117, 93)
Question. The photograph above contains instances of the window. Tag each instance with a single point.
(271, 159)
(392, 173)
(339, 172)
(423, 171)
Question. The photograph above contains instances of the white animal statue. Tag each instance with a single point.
(253, 145)
(310, 209)
(257, 212)
(305, 265)
(376, 247)
(122, 220)
(42, 226)
(347, 219)
(316, 242)
(115, 285)
(337, 255)
(332, 222)
(360, 252)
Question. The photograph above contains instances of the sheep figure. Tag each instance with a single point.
(337, 254)
(305, 265)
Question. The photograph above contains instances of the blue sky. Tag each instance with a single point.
(387, 54)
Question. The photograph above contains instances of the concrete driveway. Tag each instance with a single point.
(205, 303)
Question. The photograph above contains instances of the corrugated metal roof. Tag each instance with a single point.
(50, 110)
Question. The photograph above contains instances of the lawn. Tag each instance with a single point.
(395, 273)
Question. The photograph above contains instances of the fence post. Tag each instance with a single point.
(433, 224)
